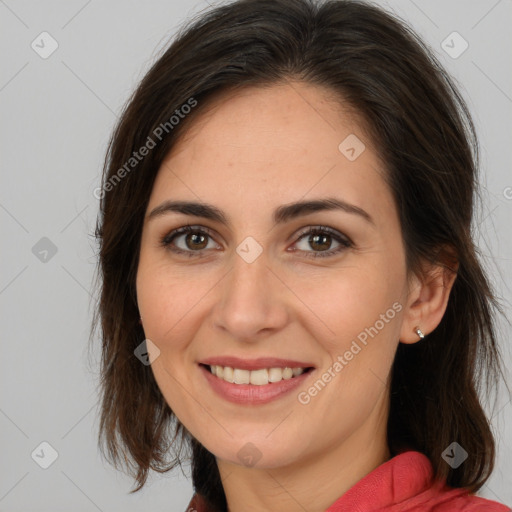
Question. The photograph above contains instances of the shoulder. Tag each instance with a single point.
(415, 489)
(459, 500)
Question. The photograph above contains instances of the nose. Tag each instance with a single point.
(252, 301)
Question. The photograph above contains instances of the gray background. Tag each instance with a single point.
(56, 116)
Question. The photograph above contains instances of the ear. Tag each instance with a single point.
(429, 291)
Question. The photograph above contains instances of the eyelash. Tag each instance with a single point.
(344, 241)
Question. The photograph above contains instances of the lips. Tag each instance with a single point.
(252, 394)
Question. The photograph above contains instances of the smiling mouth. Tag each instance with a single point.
(259, 377)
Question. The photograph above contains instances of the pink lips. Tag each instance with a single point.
(250, 394)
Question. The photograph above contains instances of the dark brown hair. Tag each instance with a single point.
(423, 132)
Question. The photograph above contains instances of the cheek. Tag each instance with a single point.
(166, 306)
(161, 299)
(347, 302)
(365, 319)
(362, 309)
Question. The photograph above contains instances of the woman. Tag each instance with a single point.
(289, 285)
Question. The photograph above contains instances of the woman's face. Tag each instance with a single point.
(250, 287)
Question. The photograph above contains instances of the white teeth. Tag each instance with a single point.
(259, 377)
(228, 373)
(287, 373)
(241, 376)
(275, 374)
(255, 377)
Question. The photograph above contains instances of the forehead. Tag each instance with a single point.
(270, 145)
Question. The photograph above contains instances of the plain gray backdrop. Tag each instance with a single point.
(57, 113)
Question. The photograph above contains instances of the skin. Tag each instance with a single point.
(262, 148)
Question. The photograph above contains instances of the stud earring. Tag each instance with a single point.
(419, 332)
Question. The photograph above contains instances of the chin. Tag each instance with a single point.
(253, 452)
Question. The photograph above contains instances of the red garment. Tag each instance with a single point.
(402, 484)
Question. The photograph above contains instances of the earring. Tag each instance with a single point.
(140, 320)
(419, 332)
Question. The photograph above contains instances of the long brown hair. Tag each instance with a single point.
(424, 134)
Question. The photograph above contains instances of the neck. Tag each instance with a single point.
(315, 482)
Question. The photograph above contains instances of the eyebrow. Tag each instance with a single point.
(280, 215)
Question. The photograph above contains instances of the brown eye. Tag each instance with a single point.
(187, 240)
(320, 239)
(195, 241)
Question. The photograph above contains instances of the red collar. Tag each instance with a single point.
(402, 484)
(403, 478)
